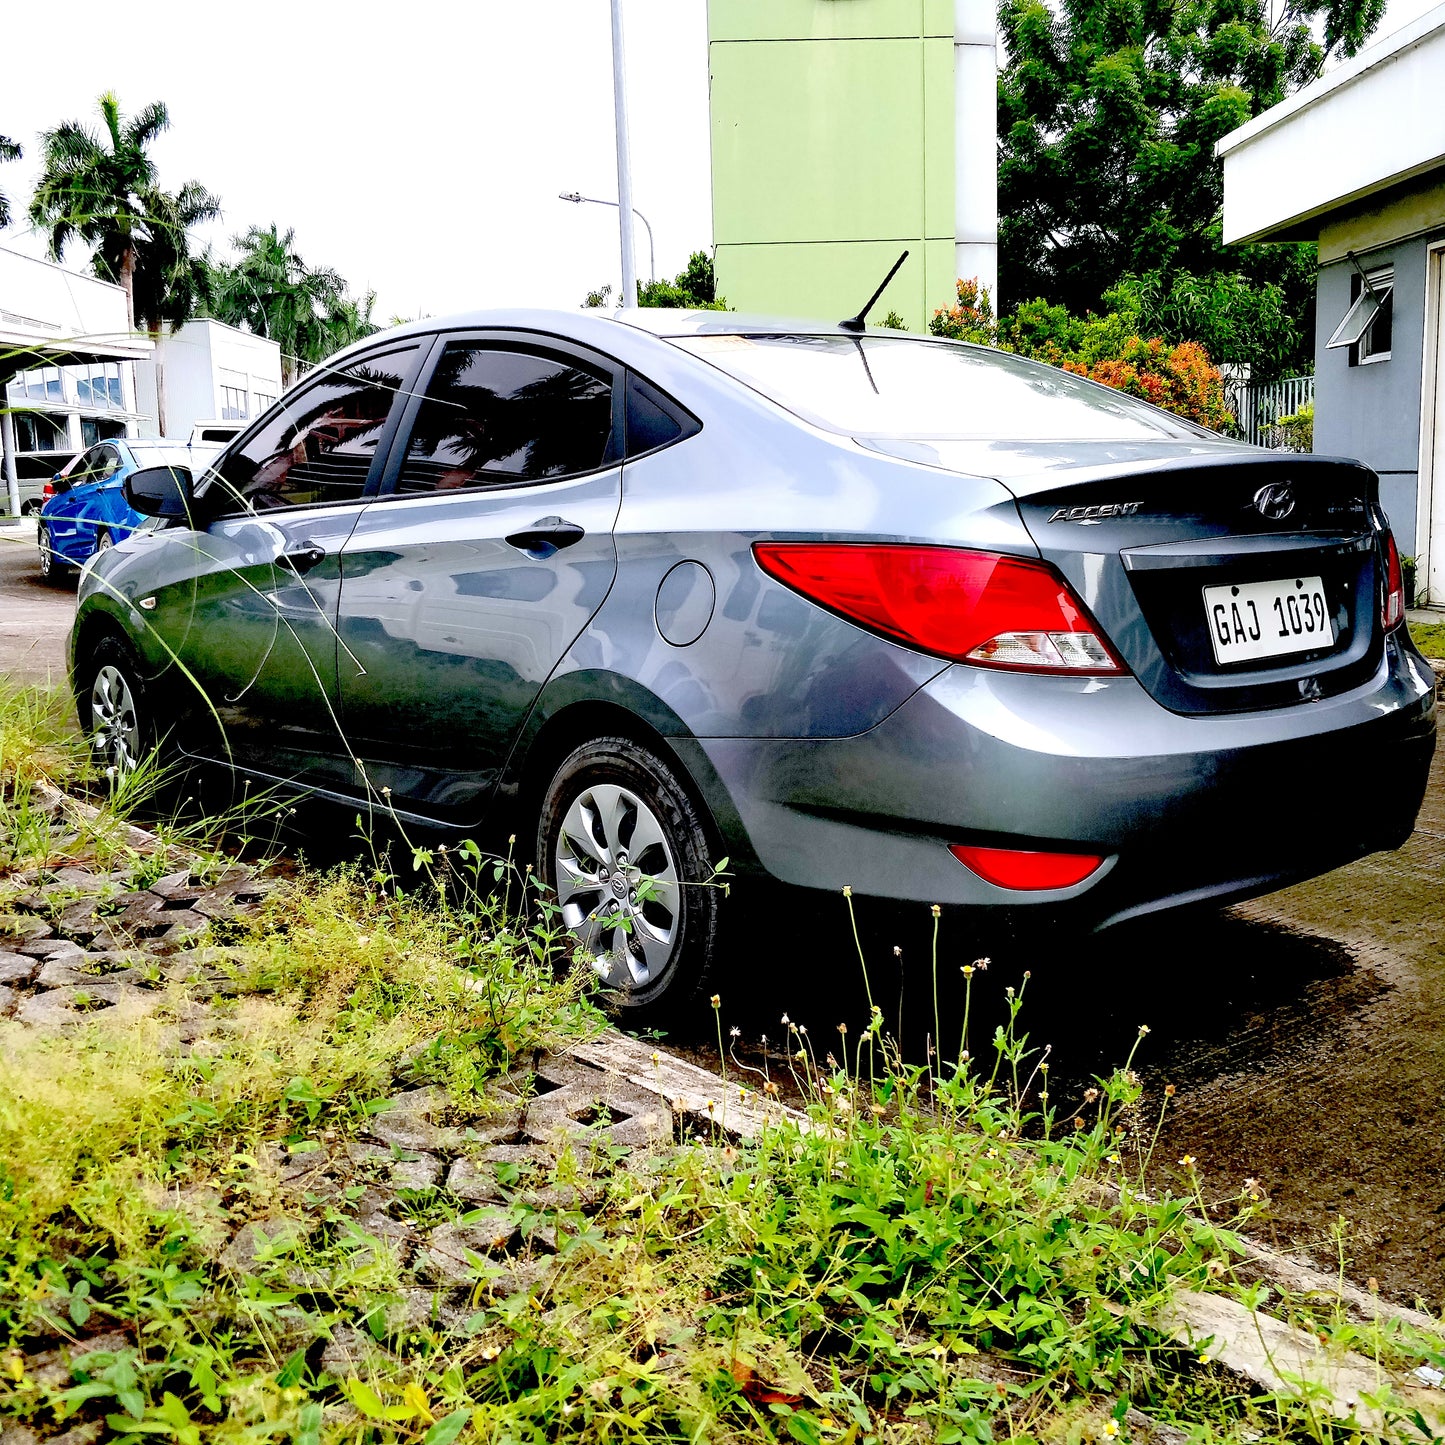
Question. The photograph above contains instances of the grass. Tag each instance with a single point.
(940, 1253)
(1429, 637)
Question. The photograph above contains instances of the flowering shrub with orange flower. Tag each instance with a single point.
(970, 318)
(1107, 349)
(1178, 378)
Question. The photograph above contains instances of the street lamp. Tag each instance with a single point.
(577, 199)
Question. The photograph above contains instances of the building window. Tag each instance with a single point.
(43, 384)
(1374, 345)
(233, 403)
(263, 401)
(36, 432)
(99, 429)
(1369, 324)
(99, 386)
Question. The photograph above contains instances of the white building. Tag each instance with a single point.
(1356, 163)
(206, 371)
(66, 365)
(72, 373)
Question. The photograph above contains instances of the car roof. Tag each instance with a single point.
(598, 327)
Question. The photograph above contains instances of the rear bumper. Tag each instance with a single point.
(1183, 808)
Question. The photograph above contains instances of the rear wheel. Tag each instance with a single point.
(103, 541)
(49, 566)
(626, 853)
(115, 706)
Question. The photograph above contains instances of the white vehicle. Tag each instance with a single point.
(215, 431)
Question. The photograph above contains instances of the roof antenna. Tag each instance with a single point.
(855, 323)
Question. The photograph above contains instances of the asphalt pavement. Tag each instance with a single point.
(1304, 1032)
(34, 615)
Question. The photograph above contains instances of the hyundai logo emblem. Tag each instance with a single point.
(1276, 501)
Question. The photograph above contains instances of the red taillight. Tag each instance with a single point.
(48, 490)
(1392, 606)
(1018, 869)
(975, 607)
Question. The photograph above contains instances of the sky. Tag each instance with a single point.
(418, 147)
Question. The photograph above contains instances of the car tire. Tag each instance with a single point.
(52, 569)
(103, 541)
(115, 705)
(605, 799)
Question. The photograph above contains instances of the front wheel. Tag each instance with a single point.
(103, 541)
(115, 707)
(627, 856)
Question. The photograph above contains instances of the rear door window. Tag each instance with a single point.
(494, 416)
(320, 444)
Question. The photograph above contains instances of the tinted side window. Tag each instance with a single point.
(652, 419)
(493, 417)
(319, 443)
(90, 468)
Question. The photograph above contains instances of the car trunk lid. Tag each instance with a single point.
(1226, 582)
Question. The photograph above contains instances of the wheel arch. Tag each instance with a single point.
(573, 712)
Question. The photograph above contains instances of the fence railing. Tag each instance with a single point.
(1258, 406)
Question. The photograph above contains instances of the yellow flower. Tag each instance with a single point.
(1111, 1430)
(1187, 1162)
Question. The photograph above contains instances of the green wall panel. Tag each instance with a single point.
(817, 141)
(829, 280)
(832, 151)
(827, 19)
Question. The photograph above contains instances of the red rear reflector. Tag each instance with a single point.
(978, 607)
(1392, 606)
(1015, 868)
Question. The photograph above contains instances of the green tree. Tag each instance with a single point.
(1108, 111)
(269, 289)
(694, 288)
(1236, 320)
(9, 151)
(103, 189)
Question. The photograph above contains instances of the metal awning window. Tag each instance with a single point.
(1374, 293)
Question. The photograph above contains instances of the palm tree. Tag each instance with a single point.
(104, 190)
(271, 291)
(9, 151)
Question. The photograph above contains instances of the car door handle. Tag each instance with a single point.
(547, 535)
(302, 557)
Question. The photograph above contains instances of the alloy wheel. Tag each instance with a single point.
(103, 542)
(114, 720)
(47, 553)
(617, 884)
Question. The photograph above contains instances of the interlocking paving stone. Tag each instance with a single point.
(452, 1252)
(17, 967)
(61, 1007)
(82, 970)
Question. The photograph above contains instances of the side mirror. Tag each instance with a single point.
(160, 492)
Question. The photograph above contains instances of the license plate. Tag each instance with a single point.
(1267, 619)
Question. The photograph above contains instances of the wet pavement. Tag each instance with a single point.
(1304, 1032)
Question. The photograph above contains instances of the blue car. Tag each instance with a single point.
(85, 509)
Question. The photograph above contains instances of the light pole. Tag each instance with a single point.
(624, 158)
(578, 199)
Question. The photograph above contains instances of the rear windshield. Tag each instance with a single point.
(891, 386)
(172, 456)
